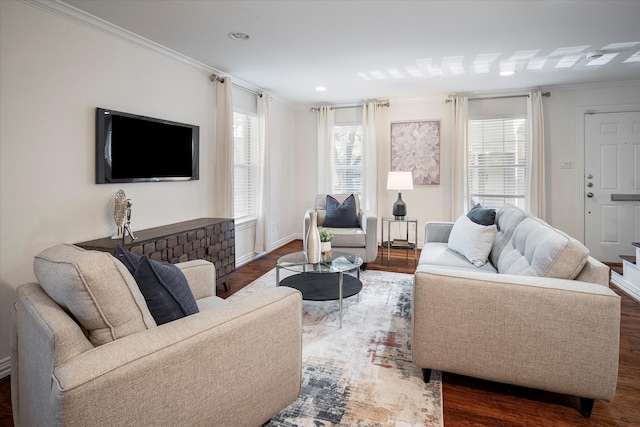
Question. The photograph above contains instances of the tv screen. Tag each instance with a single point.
(133, 148)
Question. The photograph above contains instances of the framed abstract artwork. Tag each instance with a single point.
(415, 148)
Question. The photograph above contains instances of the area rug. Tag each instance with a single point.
(360, 374)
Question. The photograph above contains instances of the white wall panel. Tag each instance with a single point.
(610, 224)
(609, 167)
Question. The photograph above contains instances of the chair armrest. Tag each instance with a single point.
(551, 334)
(369, 224)
(238, 364)
(201, 276)
(437, 231)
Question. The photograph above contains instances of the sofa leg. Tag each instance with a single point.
(426, 375)
(586, 406)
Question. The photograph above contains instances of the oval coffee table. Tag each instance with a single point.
(324, 281)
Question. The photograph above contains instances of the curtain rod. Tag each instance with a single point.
(215, 78)
(378, 104)
(547, 94)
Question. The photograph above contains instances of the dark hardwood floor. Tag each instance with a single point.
(473, 402)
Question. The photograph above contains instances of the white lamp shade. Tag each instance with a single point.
(400, 181)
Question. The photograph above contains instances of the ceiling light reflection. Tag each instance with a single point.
(378, 75)
(414, 71)
(395, 73)
(633, 58)
(568, 61)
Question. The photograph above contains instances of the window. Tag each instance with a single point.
(497, 156)
(347, 159)
(245, 168)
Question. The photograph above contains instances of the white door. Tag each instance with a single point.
(612, 184)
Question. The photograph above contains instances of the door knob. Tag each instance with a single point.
(590, 184)
(589, 194)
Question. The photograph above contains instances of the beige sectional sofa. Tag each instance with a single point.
(538, 314)
(233, 363)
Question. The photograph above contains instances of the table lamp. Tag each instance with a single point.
(399, 181)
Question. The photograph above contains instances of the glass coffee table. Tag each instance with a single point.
(324, 281)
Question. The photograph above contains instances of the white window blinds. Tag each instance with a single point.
(497, 161)
(347, 159)
(245, 146)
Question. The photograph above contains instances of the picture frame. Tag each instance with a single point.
(415, 148)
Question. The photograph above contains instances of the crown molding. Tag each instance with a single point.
(73, 14)
(85, 19)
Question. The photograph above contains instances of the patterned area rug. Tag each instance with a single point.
(362, 374)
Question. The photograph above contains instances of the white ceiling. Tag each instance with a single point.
(433, 47)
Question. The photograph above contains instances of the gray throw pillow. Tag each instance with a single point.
(164, 286)
(482, 216)
(341, 215)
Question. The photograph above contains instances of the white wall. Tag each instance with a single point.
(54, 73)
(565, 187)
(433, 202)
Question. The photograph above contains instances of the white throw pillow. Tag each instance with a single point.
(472, 240)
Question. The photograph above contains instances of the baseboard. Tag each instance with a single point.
(5, 367)
(625, 286)
(280, 243)
(277, 244)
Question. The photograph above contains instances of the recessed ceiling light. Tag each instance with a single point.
(239, 36)
(320, 89)
(507, 73)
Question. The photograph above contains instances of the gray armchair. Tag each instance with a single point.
(361, 240)
(233, 363)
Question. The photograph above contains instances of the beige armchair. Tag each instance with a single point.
(233, 363)
(359, 240)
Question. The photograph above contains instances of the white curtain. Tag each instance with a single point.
(535, 200)
(325, 159)
(223, 185)
(262, 203)
(370, 114)
(459, 118)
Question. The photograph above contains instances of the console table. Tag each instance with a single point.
(212, 239)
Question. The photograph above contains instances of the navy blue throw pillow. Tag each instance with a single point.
(130, 260)
(482, 216)
(341, 215)
(164, 286)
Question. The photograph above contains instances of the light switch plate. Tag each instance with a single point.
(566, 164)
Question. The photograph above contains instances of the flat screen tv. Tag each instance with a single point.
(133, 148)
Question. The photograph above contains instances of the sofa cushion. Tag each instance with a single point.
(341, 215)
(96, 288)
(507, 219)
(347, 237)
(482, 216)
(439, 255)
(210, 303)
(472, 240)
(537, 249)
(163, 285)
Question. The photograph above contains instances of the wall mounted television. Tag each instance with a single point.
(133, 148)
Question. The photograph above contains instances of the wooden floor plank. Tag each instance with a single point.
(473, 402)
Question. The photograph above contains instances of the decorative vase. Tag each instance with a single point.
(325, 247)
(314, 254)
